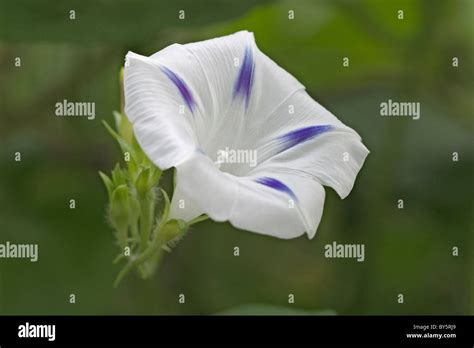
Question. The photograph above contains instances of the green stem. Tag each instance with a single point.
(158, 241)
(198, 219)
(152, 248)
(118, 258)
(161, 236)
(147, 208)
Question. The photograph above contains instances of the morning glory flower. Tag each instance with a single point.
(191, 103)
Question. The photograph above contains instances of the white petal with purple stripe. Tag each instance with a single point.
(189, 102)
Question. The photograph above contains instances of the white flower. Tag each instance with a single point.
(189, 103)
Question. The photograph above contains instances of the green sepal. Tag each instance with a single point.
(173, 229)
(118, 176)
(124, 127)
(126, 147)
(167, 206)
(108, 183)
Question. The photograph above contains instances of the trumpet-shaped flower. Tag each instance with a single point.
(190, 104)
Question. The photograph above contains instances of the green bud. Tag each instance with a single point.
(118, 176)
(120, 207)
(143, 182)
(172, 229)
(155, 176)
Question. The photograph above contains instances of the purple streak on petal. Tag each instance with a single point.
(301, 135)
(181, 85)
(277, 185)
(243, 84)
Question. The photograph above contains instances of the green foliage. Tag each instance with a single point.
(140, 230)
(121, 21)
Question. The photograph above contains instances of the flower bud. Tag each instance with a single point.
(172, 229)
(118, 176)
(143, 182)
(120, 207)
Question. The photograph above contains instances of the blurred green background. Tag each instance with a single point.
(408, 250)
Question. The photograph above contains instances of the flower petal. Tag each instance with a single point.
(243, 84)
(182, 87)
(223, 82)
(162, 124)
(284, 206)
(310, 140)
(277, 185)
